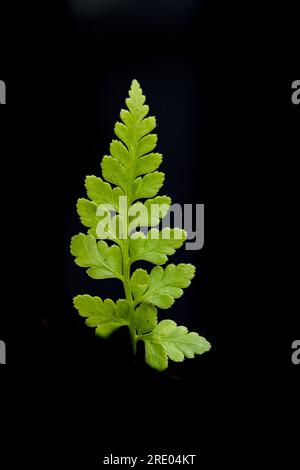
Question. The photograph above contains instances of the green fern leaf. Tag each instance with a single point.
(114, 211)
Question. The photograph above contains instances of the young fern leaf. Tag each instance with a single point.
(161, 287)
(104, 262)
(114, 213)
(168, 340)
(105, 316)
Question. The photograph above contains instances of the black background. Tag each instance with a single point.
(219, 82)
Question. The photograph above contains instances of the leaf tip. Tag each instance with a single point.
(135, 85)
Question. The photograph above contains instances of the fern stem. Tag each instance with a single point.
(128, 293)
(126, 257)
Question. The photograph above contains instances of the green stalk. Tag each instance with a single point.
(128, 293)
(126, 257)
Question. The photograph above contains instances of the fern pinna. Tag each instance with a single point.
(113, 213)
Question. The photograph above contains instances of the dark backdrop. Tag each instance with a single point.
(228, 133)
